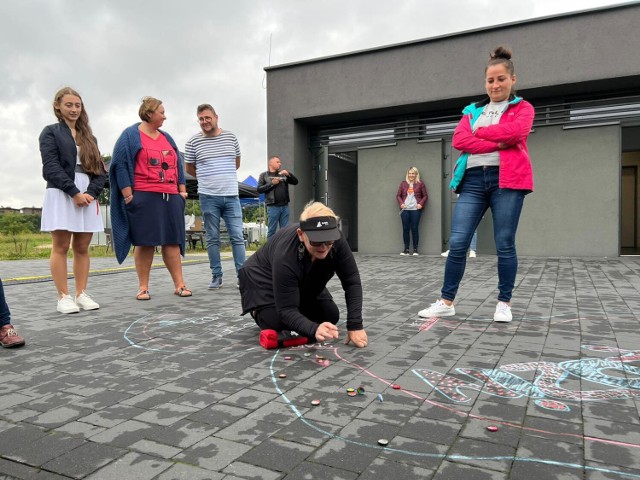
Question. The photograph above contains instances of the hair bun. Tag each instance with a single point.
(500, 52)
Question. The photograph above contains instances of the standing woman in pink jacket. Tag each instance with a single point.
(494, 171)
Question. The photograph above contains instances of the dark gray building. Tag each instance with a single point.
(350, 125)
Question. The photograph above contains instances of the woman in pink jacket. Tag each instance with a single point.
(494, 171)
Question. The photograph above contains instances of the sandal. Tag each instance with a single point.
(183, 292)
(143, 295)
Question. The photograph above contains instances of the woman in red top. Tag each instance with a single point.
(412, 197)
(148, 194)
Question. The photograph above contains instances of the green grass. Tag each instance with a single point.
(38, 245)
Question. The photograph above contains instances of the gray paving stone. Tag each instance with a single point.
(277, 455)
(213, 453)
(132, 465)
(125, 434)
(59, 416)
(155, 449)
(249, 431)
(111, 416)
(81, 429)
(312, 471)
(456, 471)
(12, 470)
(308, 433)
(247, 471)
(482, 454)
(84, 460)
(385, 468)
(166, 414)
(188, 472)
(203, 360)
(183, 434)
(43, 449)
(219, 415)
(345, 455)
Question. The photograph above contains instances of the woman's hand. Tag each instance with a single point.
(419, 207)
(82, 199)
(184, 195)
(402, 206)
(358, 337)
(325, 331)
(128, 199)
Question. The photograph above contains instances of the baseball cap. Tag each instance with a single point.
(321, 229)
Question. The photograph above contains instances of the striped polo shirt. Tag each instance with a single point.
(215, 161)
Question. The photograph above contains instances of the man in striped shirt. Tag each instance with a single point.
(213, 156)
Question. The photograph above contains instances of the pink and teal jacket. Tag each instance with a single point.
(513, 129)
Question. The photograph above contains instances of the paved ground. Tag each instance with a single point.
(179, 388)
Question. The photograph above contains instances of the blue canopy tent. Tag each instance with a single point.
(255, 199)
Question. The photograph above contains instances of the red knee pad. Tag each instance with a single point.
(271, 339)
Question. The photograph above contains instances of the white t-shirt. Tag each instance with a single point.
(215, 160)
(490, 116)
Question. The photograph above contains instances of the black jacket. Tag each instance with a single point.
(278, 275)
(269, 189)
(59, 155)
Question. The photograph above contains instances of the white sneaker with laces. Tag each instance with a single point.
(67, 305)
(438, 309)
(445, 254)
(85, 302)
(472, 254)
(503, 313)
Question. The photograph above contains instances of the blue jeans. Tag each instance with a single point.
(474, 241)
(277, 215)
(5, 314)
(214, 207)
(410, 222)
(479, 191)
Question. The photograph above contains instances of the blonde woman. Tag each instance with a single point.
(148, 195)
(75, 175)
(283, 285)
(412, 197)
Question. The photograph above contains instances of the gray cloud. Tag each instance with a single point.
(191, 52)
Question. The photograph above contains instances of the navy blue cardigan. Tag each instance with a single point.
(59, 157)
(121, 170)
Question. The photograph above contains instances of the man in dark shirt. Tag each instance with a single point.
(274, 183)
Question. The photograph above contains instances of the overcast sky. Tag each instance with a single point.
(188, 52)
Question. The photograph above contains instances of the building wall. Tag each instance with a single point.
(575, 210)
(559, 51)
(380, 171)
(575, 206)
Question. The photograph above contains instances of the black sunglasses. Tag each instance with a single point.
(319, 244)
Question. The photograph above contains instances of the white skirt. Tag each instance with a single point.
(60, 213)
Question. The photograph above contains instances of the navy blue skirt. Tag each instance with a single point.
(156, 219)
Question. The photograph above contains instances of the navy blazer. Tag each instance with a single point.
(59, 156)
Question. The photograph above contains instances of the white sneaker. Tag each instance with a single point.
(503, 313)
(67, 305)
(445, 254)
(85, 302)
(472, 254)
(438, 309)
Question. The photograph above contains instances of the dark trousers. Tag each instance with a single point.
(410, 222)
(318, 310)
(5, 315)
